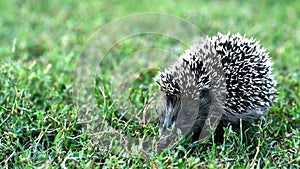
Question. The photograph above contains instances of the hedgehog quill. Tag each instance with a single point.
(231, 71)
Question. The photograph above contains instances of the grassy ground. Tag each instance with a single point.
(40, 42)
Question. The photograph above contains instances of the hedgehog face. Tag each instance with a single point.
(188, 114)
(168, 111)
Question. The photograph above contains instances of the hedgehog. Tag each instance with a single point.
(227, 74)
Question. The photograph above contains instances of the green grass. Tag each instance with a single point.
(40, 43)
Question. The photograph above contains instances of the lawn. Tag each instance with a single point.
(42, 44)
